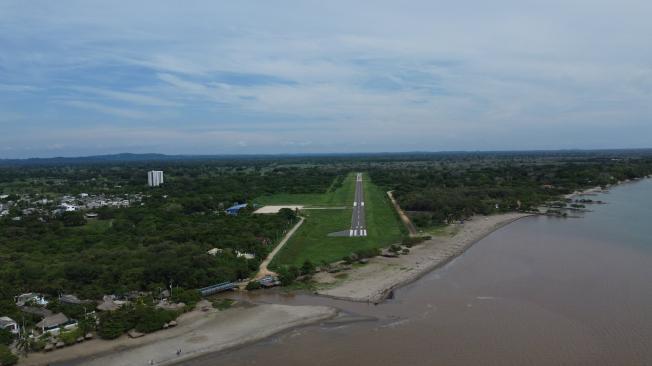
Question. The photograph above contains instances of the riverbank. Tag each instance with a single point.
(375, 281)
(197, 332)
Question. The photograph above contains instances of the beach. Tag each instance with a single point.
(375, 281)
(197, 332)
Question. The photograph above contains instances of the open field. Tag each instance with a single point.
(333, 197)
(312, 241)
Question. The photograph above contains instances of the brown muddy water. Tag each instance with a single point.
(541, 291)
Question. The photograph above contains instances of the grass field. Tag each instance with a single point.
(342, 196)
(312, 241)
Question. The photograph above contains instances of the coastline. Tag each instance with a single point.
(375, 281)
(197, 333)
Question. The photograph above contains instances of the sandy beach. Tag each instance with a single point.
(374, 281)
(197, 333)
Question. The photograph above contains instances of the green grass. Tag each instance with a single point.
(312, 242)
(342, 196)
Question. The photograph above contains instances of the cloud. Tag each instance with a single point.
(429, 76)
(118, 112)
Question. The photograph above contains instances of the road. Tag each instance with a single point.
(358, 224)
(263, 270)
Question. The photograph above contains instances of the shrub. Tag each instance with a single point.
(6, 337)
(253, 285)
(287, 274)
(7, 358)
(149, 319)
(188, 297)
(70, 337)
(307, 268)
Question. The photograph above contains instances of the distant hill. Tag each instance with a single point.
(151, 157)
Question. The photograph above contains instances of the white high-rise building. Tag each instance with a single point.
(155, 178)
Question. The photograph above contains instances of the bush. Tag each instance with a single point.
(188, 297)
(367, 253)
(6, 337)
(307, 268)
(287, 274)
(113, 324)
(7, 358)
(70, 337)
(149, 319)
(409, 242)
(253, 285)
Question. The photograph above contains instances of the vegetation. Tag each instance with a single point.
(312, 241)
(7, 358)
(446, 190)
(142, 317)
(163, 238)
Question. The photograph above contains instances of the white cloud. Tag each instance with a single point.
(451, 74)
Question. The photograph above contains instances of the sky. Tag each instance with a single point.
(246, 77)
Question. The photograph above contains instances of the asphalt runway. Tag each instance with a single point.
(358, 224)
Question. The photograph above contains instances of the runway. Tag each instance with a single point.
(358, 224)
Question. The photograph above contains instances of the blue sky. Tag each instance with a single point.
(214, 77)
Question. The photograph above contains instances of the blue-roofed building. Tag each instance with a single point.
(233, 210)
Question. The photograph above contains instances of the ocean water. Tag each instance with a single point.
(541, 291)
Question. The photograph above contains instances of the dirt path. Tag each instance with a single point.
(263, 270)
(412, 230)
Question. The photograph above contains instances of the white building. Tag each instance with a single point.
(154, 178)
(9, 324)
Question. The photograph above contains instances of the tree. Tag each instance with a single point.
(24, 343)
(307, 268)
(74, 218)
(6, 337)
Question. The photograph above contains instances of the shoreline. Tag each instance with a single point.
(197, 333)
(376, 281)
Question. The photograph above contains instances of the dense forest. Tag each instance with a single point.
(446, 190)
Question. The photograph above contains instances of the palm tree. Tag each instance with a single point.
(24, 344)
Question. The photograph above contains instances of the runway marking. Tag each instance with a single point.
(350, 232)
(355, 204)
(362, 203)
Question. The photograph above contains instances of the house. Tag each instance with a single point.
(32, 298)
(9, 324)
(233, 210)
(109, 304)
(245, 255)
(72, 300)
(54, 323)
(35, 310)
(215, 251)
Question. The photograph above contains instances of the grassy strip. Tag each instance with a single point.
(312, 242)
(339, 197)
